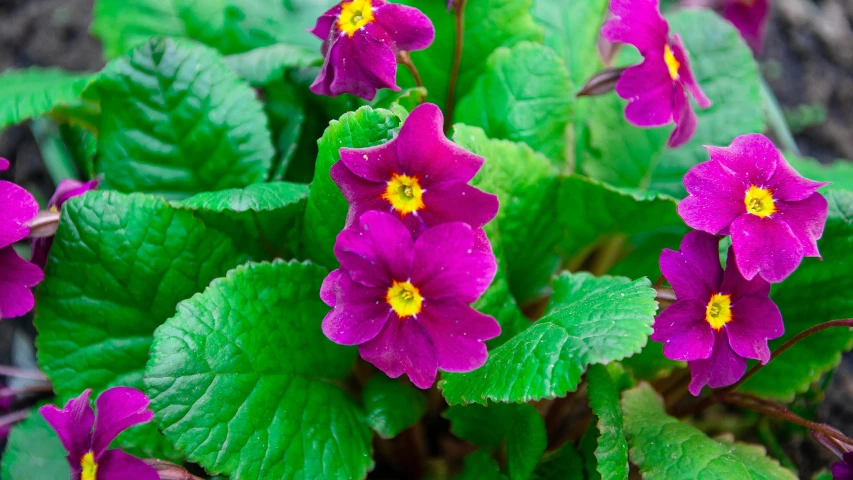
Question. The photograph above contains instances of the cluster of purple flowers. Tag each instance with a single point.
(775, 218)
(413, 254)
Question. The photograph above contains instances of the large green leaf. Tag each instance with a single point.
(726, 70)
(34, 452)
(480, 466)
(828, 280)
(572, 29)
(525, 95)
(612, 451)
(326, 212)
(264, 218)
(230, 26)
(265, 65)
(666, 448)
(118, 266)
(589, 321)
(392, 406)
(29, 93)
(175, 120)
(518, 426)
(241, 380)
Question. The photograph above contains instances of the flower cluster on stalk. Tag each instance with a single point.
(413, 255)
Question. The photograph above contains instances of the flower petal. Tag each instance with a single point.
(651, 105)
(694, 271)
(806, 219)
(18, 208)
(765, 246)
(753, 158)
(716, 198)
(119, 408)
(403, 346)
(755, 319)
(4, 164)
(685, 73)
(18, 276)
(329, 288)
(682, 329)
(73, 424)
(377, 252)
(359, 311)
(115, 464)
(638, 23)
(376, 164)
(362, 195)
(735, 285)
(723, 368)
(750, 18)
(684, 117)
(458, 202)
(323, 28)
(788, 185)
(68, 189)
(407, 26)
(458, 332)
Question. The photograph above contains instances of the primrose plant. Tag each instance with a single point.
(273, 253)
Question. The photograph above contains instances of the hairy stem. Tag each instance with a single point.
(459, 13)
(404, 58)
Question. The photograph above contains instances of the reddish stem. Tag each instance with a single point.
(459, 13)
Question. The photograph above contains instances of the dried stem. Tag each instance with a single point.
(459, 13)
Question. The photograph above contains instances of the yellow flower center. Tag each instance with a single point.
(405, 299)
(759, 201)
(354, 15)
(671, 62)
(719, 310)
(90, 468)
(404, 193)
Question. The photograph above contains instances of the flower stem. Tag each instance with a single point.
(459, 13)
(8, 371)
(404, 58)
(14, 417)
(14, 392)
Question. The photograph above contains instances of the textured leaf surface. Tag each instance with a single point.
(34, 452)
(612, 451)
(268, 64)
(177, 121)
(726, 70)
(239, 380)
(392, 406)
(519, 426)
(139, 257)
(572, 30)
(589, 320)
(480, 466)
(29, 93)
(326, 212)
(830, 282)
(525, 94)
(666, 448)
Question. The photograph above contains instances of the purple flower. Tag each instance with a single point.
(748, 190)
(748, 16)
(361, 39)
(420, 175)
(18, 209)
(719, 318)
(67, 189)
(406, 303)
(86, 438)
(843, 470)
(657, 88)
(17, 278)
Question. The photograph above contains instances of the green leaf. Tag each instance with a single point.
(489, 24)
(839, 172)
(175, 120)
(138, 257)
(589, 321)
(650, 364)
(326, 212)
(265, 65)
(665, 447)
(408, 98)
(573, 33)
(564, 464)
(519, 426)
(726, 70)
(29, 93)
(480, 466)
(524, 95)
(291, 128)
(230, 26)
(242, 380)
(34, 452)
(612, 451)
(392, 406)
(526, 185)
(828, 280)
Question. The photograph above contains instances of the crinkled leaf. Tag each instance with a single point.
(519, 426)
(564, 464)
(34, 452)
(589, 320)
(664, 447)
(392, 406)
(573, 30)
(240, 380)
(612, 451)
(291, 129)
(326, 212)
(818, 291)
(726, 70)
(525, 94)
(118, 266)
(29, 93)
(480, 466)
(175, 120)
(265, 65)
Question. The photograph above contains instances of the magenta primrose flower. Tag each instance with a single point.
(18, 209)
(18, 276)
(420, 175)
(657, 88)
(406, 303)
(86, 438)
(749, 190)
(748, 16)
(67, 189)
(719, 318)
(843, 470)
(361, 39)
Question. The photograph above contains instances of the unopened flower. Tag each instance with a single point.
(87, 438)
(406, 303)
(748, 16)
(16, 279)
(748, 190)
(419, 175)
(719, 318)
(657, 88)
(17, 208)
(361, 39)
(67, 189)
